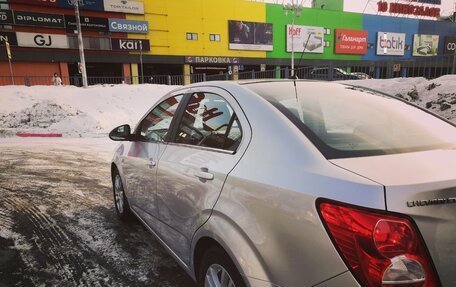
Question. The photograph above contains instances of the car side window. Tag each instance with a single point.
(155, 125)
(209, 121)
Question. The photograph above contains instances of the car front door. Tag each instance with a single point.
(210, 139)
(140, 164)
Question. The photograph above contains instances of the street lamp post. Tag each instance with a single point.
(80, 43)
(295, 10)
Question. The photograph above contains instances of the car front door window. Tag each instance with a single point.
(155, 125)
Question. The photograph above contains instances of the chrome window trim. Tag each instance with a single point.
(224, 151)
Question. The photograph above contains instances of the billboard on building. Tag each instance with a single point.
(124, 6)
(425, 45)
(96, 5)
(39, 19)
(392, 44)
(128, 44)
(9, 37)
(40, 40)
(128, 26)
(250, 35)
(307, 39)
(353, 42)
(6, 17)
(47, 3)
(92, 23)
(450, 45)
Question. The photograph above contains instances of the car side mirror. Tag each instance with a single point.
(121, 133)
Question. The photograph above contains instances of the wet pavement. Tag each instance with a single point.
(58, 225)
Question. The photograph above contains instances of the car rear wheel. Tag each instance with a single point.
(120, 200)
(217, 269)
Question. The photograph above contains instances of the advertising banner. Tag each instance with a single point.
(353, 42)
(92, 23)
(128, 26)
(308, 37)
(124, 44)
(124, 6)
(392, 44)
(250, 36)
(6, 17)
(39, 40)
(8, 37)
(39, 19)
(211, 60)
(47, 3)
(425, 45)
(96, 5)
(450, 45)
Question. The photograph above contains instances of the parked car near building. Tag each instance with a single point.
(322, 73)
(293, 183)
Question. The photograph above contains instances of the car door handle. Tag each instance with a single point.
(151, 163)
(204, 174)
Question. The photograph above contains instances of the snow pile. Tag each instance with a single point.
(73, 111)
(437, 95)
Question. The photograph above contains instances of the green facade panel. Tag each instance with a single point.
(311, 17)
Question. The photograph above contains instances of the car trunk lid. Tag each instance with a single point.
(423, 186)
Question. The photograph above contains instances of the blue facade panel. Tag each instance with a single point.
(443, 29)
(375, 23)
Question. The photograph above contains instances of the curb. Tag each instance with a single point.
(50, 135)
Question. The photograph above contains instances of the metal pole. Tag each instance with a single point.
(454, 62)
(81, 44)
(141, 61)
(292, 42)
(11, 71)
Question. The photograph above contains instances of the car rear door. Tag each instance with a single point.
(211, 136)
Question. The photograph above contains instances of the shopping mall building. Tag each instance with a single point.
(124, 38)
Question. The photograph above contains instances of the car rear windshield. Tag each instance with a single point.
(344, 121)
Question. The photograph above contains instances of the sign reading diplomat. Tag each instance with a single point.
(39, 40)
(93, 23)
(211, 60)
(450, 45)
(128, 26)
(9, 37)
(353, 42)
(6, 17)
(39, 19)
(312, 38)
(126, 44)
(390, 43)
(124, 6)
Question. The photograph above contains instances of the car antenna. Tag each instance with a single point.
(295, 77)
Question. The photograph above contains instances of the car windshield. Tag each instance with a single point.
(343, 121)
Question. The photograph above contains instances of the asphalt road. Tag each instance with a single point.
(58, 225)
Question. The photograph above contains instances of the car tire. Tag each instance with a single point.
(120, 200)
(217, 267)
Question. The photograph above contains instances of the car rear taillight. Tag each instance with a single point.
(381, 249)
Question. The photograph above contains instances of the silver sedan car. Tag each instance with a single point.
(293, 183)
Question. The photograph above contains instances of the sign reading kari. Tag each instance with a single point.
(353, 42)
(128, 26)
(308, 37)
(127, 44)
(38, 40)
(124, 6)
(390, 43)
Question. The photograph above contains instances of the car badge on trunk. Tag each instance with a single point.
(427, 202)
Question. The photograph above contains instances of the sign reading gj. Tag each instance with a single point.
(39, 40)
(128, 26)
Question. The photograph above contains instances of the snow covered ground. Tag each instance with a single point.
(73, 111)
(93, 112)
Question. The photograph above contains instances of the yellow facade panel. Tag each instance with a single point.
(170, 21)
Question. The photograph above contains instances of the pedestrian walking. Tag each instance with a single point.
(56, 80)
